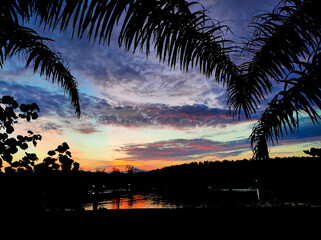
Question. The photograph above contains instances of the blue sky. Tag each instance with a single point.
(137, 111)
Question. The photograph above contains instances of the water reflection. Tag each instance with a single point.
(131, 201)
(208, 198)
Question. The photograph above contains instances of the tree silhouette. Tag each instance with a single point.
(315, 152)
(63, 156)
(9, 145)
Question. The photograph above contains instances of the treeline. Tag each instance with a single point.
(240, 173)
(284, 179)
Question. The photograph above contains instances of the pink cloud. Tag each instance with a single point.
(181, 149)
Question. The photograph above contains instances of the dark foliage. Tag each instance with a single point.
(9, 145)
(314, 152)
(294, 180)
(281, 179)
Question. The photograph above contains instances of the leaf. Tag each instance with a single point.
(15, 104)
(34, 106)
(24, 146)
(68, 153)
(7, 99)
(65, 145)
(7, 157)
(34, 115)
(9, 130)
(24, 107)
(51, 153)
(20, 137)
(13, 149)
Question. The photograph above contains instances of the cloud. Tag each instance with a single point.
(161, 115)
(182, 149)
(132, 77)
(238, 13)
(230, 153)
(98, 111)
(52, 127)
(55, 108)
(85, 128)
(51, 102)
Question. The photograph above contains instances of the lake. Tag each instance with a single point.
(124, 199)
(131, 201)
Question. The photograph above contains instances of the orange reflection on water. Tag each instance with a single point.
(130, 202)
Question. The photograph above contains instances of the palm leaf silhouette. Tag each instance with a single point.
(280, 39)
(16, 39)
(178, 35)
(300, 94)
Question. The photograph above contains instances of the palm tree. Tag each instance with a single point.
(285, 48)
(281, 40)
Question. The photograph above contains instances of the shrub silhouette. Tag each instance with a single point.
(64, 157)
(10, 145)
(314, 152)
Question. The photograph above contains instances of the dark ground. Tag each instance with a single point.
(219, 223)
(215, 219)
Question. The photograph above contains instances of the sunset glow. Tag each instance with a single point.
(138, 111)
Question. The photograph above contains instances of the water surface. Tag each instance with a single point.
(132, 201)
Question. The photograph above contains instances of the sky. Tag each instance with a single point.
(138, 111)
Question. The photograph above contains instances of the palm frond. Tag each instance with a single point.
(16, 39)
(178, 35)
(15, 10)
(282, 115)
(280, 39)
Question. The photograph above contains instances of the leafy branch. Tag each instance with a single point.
(10, 145)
